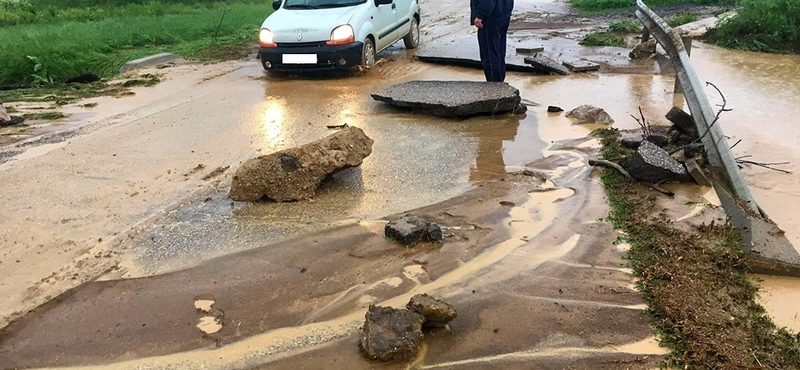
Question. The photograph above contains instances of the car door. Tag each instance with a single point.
(384, 21)
(405, 10)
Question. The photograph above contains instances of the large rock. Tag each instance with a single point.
(654, 165)
(411, 229)
(453, 98)
(391, 334)
(589, 114)
(295, 173)
(437, 312)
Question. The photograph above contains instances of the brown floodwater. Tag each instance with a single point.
(128, 184)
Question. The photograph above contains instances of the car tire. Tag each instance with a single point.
(411, 40)
(368, 54)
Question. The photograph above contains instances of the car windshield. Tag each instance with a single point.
(320, 4)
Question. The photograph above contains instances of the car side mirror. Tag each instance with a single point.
(383, 2)
(276, 4)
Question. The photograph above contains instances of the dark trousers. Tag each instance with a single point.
(492, 43)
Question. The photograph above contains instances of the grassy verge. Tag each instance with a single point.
(762, 25)
(602, 5)
(51, 52)
(700, 300)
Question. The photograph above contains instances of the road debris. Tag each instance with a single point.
(436, 311)
(391, 334)
(530, 50)
(590, 114)
(654, 164)
(295, 174)
(581, 66)
(546, 64)
(453, 98)
(411, 229)
(554, 109)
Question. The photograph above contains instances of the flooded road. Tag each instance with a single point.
(187, 278)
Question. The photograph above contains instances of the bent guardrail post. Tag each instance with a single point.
(768, 249)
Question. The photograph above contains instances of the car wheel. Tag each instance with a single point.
(368, 54)
(412, 38)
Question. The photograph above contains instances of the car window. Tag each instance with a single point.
(319, 4)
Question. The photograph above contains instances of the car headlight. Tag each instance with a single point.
(266, 38)
(342, 35)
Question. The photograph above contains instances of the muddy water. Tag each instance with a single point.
(781, 297)
(138, 160)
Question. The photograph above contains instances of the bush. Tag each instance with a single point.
(762, 25)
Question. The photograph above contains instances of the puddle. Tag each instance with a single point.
(204, 305)
(781, 297)
(209, 325)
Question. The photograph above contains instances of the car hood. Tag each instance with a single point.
(307, 25)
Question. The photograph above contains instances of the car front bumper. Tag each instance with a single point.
(327, 57)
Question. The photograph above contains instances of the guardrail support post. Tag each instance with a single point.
(687, 44)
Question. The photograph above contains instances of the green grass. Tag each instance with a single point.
(762, 25)
(682, 19)
(604, 38)
(629, 26)
(53, 51)
(601, 5)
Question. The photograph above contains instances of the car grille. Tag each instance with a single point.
(301, 44)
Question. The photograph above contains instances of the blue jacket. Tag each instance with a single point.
(490, 10)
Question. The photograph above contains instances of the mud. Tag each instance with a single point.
(780, 295)
(294, 279)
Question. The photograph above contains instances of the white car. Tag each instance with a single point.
(335, 34)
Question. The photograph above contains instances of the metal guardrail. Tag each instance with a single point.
(769, 250)
(717, 147)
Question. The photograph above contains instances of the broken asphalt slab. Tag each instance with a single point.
(455, 53)
(452, 99)
(546, 65)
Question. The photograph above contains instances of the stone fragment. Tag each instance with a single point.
(659, 140)
(391, 334)
(630, 143)
(453, 98)
(436, 311)
(654, 165)
(693, 150)
(697, 173)
(682, 121)
(581, 66)
(531, 50)
(554, 109)
(589, 114)
(296, 173)
(434, 233)
(411, 229)
(546, 64)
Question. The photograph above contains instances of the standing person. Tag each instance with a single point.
(492, 17)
